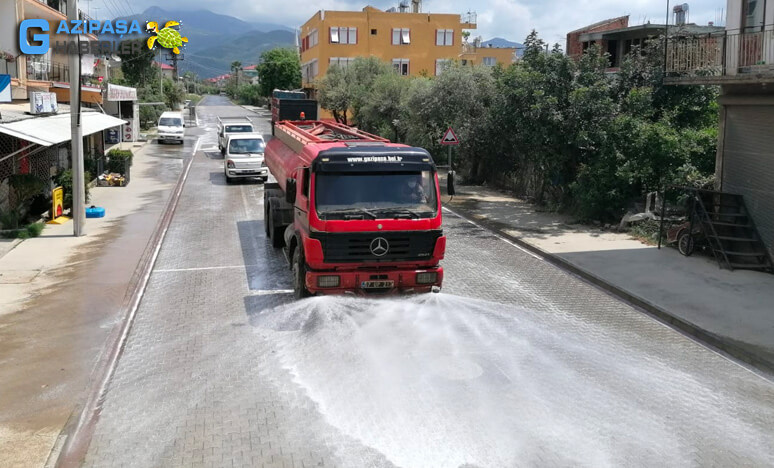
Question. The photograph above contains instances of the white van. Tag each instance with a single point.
(171, 127)
(244, 157)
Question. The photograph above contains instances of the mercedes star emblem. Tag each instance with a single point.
(380, 247)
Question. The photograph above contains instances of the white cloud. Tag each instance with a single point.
(511, 19)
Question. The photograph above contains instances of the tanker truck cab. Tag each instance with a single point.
(244, 157)
(361, 215)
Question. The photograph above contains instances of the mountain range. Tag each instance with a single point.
(215, 40)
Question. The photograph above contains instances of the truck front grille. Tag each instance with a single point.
(366, 246)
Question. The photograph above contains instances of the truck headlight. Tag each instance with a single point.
(331, 281)
(427, 277)
(230, 164)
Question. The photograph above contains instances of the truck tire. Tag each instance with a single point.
(275, 232)
(299, 273)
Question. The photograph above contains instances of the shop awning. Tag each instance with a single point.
(55, 129)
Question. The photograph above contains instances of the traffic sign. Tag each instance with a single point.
(450, 138)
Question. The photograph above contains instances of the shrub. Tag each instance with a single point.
(35, 229)
(65, 180)
(9, 219)
(118, 160)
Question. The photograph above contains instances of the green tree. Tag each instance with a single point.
(279, 68)
(138, 69)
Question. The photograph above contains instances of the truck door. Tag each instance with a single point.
(302, 201)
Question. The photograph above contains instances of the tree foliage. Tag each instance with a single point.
(279, 69)
(561, 132)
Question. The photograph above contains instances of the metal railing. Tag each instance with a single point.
(44, 70)
(722, 53)
(469, 18)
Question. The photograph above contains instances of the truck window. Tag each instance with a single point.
(411, 193)
(239, 129)
(305, 182)
(246, 146)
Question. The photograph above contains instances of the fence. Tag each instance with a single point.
(38, 161)
(721, 53)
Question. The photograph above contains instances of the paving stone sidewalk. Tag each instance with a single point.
(730, 310)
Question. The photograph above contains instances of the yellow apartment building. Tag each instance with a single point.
(414, 43)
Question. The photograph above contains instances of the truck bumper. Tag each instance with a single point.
(376, 282)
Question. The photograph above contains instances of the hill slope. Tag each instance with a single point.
(215, 40)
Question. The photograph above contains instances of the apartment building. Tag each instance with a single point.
(40, 144)
(414, 43)
(741, 60)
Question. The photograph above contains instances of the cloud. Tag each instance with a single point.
(510, 19)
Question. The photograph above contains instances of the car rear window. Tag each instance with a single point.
(239, 129)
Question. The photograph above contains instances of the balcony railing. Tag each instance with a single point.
(469, 18)
(718, 54)
(43, 70)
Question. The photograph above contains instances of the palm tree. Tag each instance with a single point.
(236, 65)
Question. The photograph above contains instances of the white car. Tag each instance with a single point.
(232, 125)
(243, 158)
(171, 127)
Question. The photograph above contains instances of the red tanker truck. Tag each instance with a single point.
(354, 212)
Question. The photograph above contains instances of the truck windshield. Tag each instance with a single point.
(170, 122)
(239, 129)
(245, 146)
(371, 195)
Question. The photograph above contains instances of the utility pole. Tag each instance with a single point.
(79, 185)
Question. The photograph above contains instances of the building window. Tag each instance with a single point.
(490, 61)
(343, 35)
(373, 32)
(310, 40)
(401, 36)
(342, 62)
(441, 65)
(444, 37)
(401, 66)
(310, 70)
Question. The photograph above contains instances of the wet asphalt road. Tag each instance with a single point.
(516, 364)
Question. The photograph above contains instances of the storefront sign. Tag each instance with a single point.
(129, 131)
(112, 137)
(121, 93)
(42, 103)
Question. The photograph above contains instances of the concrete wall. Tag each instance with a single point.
(575, 46)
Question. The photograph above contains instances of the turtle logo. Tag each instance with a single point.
(167, 38)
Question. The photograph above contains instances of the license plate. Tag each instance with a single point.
(377, 284)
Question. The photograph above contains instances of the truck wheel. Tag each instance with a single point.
(266, 216)
(299, 273)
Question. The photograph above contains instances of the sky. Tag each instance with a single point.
(509, 19)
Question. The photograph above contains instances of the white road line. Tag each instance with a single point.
(270, 292)
(532, 254)
(225, 267)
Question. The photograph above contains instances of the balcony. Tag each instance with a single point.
(45, 70)
(720, 58)
(469, 20)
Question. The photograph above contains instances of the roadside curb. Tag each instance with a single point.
(76, 435)
(716, 342)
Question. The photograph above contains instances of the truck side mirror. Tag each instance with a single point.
(290, 190)
(450, 184)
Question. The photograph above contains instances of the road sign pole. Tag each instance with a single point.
(79, 185)
(450, 158)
